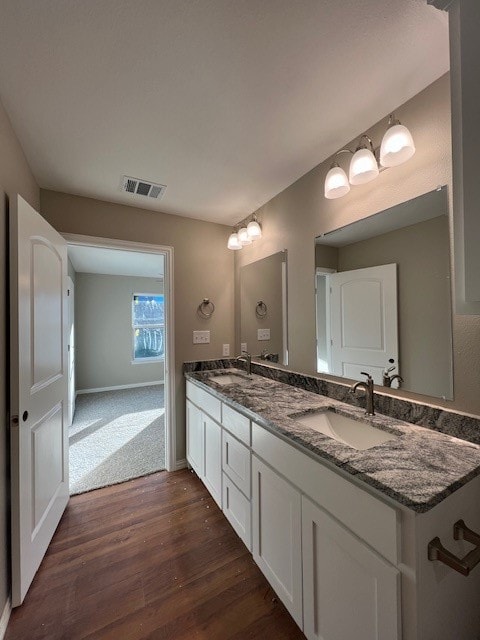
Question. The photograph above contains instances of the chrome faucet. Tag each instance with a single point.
(387, 379)
(247, 358)
(368, 386)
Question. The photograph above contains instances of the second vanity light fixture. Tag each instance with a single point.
(397, 147)
(245, 235)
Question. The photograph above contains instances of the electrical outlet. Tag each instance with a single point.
(243, 347)
(263, 334)
(226, 350)
(201, 337)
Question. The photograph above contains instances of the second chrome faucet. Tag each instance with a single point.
(247, 358)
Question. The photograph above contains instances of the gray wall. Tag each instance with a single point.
(203, 268)
(103, 331)
(300, 213)
(15, 177)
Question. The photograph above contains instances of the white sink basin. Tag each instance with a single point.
(353, 433)
(227, 378)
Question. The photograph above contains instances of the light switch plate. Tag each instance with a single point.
(226, 350)
(263, 334)
(201, 337)
(243, 347)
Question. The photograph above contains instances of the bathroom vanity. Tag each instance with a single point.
(340, 527)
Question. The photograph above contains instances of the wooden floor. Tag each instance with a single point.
(150, 558)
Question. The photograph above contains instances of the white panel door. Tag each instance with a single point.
(364, 322)
(39, 372)
(213, 459)
(195, 439)
(349, 590)
(277, 535)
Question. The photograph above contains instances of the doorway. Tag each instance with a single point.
(120, 345)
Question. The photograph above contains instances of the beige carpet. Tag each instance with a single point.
(116, 436)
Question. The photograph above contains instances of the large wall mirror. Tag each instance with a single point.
(383, 298)
(263, 308)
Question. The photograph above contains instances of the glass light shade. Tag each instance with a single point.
(233, 242)
(336, 183)
(397, 146)
(254, 230)
(243, 237)
(363, 167)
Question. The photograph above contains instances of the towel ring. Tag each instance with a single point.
(261, 309)
(206, 308)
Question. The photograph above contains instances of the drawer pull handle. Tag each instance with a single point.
(436, 550)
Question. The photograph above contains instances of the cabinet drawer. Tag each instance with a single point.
(237, 510)
(236, 423)
(367, 516)
(236, 462)
(207, 403)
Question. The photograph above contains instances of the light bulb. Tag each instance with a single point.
(397, 146)
(254, 230)
(233, 242)
(363, 167)
(336, 183)
(243, 237)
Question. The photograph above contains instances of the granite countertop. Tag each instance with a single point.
(418, 469)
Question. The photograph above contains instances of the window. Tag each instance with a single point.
(148, 324)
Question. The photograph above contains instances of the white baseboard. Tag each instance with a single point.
(121, 386)
(7, 610)
(181, 464)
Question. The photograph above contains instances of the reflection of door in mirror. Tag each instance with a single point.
(414, 236)
(363, 321)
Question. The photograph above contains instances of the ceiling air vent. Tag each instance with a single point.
(143, 187)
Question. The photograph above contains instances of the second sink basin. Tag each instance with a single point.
(355, 434)
(227, 378)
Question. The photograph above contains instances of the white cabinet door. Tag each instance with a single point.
(349, 590)
(237, 510)
(277, 536)
(213, 459)
(195, 439)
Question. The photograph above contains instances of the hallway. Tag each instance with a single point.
(151, 558)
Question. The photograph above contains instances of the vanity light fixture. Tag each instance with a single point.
(397, 144)
(244, 237)
(254, 229)
(336, 182)
(397, 147)
(233, 242)
(363, 165)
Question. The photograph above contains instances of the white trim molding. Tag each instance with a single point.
(7, 610)
(168, 253)
(119, 387)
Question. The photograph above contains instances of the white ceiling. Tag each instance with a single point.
(227, 102)
(115, 262)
